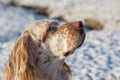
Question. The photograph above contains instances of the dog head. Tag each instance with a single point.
(59, 41)
(67, 38)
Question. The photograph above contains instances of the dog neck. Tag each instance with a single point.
(53, 68)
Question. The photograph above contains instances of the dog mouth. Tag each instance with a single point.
(68, 53)
(80, 44)
(71, 52)
(83, 39)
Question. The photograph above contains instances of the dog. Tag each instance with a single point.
(40, 51)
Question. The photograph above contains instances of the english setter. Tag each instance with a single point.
(40, 51)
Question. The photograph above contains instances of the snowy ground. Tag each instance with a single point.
(97, 59)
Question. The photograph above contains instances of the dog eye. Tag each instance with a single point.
(51, 29)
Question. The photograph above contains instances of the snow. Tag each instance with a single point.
(97, 59)
(107, 11)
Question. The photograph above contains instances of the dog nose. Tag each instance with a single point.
(78, 24)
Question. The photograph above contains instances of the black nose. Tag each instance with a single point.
(78, 24)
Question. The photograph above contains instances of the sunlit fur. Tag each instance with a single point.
(39, 52)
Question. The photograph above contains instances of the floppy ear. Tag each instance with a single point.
(20, 53)
(22, 57)
(40, 28)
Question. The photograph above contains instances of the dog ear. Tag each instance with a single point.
(20, 53)
(22, 57)
(40, 28)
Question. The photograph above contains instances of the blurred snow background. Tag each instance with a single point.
(97, 59)
(107, 11)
